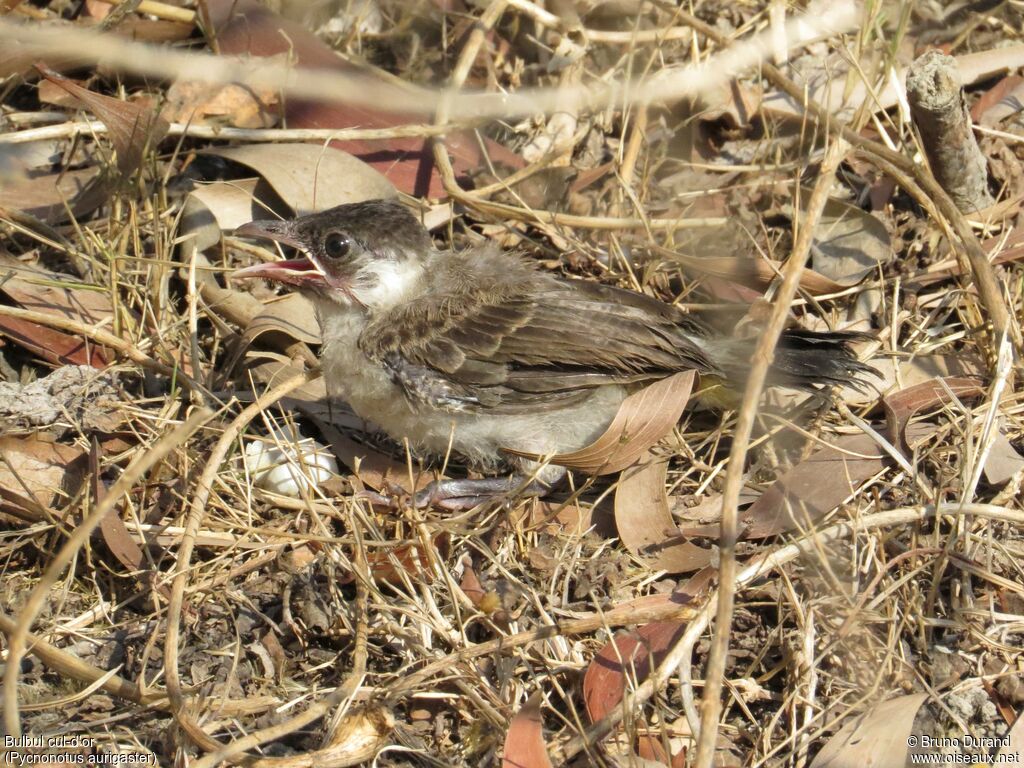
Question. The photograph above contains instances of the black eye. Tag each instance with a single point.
(337, 245)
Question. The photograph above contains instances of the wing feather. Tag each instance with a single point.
(540, 345)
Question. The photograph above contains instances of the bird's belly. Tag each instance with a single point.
(475, 435)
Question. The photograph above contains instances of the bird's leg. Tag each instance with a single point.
(462, 495)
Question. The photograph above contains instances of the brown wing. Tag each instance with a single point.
(533, 349)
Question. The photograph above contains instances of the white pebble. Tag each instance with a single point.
(290, 469)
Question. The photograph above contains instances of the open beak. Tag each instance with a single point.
(300, 272)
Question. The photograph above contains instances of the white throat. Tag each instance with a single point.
(388, 283)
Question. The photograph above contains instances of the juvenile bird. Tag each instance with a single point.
(478, 351)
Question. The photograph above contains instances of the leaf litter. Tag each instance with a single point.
(502, 633)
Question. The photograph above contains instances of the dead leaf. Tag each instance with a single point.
(43, 291)
(895, 374)
(1003, 461)
(243, 27)
(630, 656)
(293, 315)
(396, 565)
(877, 739)
(220, 104)
(849, 243)
(50, 345)
(44, 471)
(472, 587)
(54, 197)
(310, 177)
(645, 524)
(814, 487)
(901, 406)
(53, 293)
(218, 207)
(999, 102)
(132, 127)
(524, 742)
(643, 419)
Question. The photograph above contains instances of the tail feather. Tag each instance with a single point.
(803, 360)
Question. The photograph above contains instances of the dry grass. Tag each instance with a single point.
(254, 626)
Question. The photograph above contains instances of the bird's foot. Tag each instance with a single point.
(456, 495)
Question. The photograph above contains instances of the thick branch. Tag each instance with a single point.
(940, 114)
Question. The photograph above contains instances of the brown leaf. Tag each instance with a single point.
(132, 127)
(877, 739)
(471, 586)
(310, 177)
(31, 466)
(644, 418)
(293, 315)
(524, 742)
(901, 406)
(814, 487)
(119, 541)
(407, 561)
(44, 291)
(849, 243)
(629, 656)
(999, 102)
(50, 345)
(54, 197)
(645, 524)
(243, 27)
(62, 295)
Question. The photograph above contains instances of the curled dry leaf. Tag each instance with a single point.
(132, 127)
(645, 524)
(293, 315)
(310, 177)
(644, 418)
(524, 742)
(877, 739)
(901, 406)
(999, 102)
(218, 207)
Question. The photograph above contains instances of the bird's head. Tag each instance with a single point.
(370, 254)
